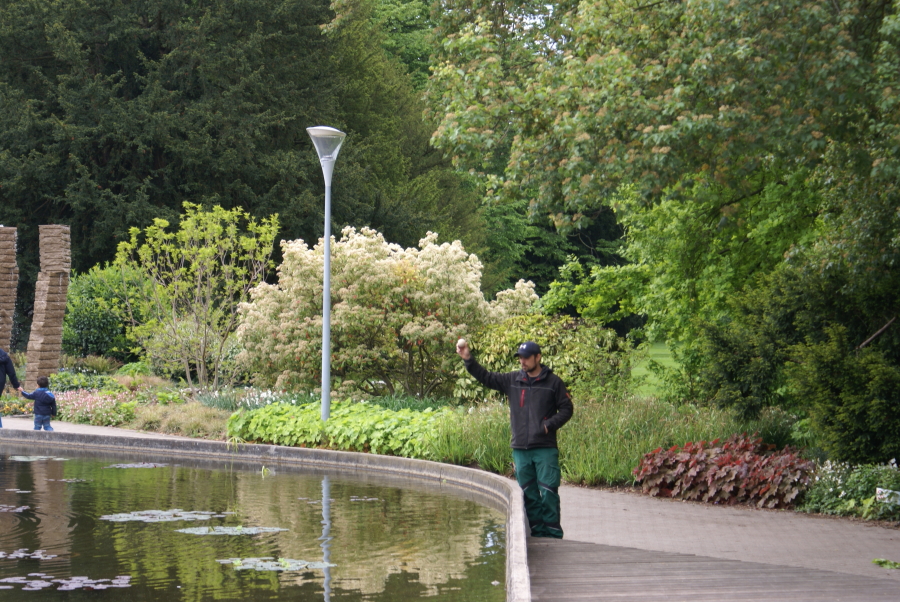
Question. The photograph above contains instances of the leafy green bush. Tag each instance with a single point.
(97, 312)
(353, 426)
(135, 369)
(70, 381)
(854, 397)
(741, 470)
(843, 489)
(585, 355)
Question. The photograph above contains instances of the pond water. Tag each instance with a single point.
(183, 530)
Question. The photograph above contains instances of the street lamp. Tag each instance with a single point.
(328, 142)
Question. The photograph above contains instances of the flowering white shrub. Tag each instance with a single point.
(396, 314)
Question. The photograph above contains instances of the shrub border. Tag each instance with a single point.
(492, 490)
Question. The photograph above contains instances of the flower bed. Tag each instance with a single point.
(95, 407)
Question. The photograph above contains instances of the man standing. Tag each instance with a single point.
(539, 405)
(7, 369)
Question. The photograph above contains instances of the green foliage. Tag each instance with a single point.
(410, 402)
(607, 437)
(168, 397)
(97, 312)
(792, 339)
(406, 25)
(72, 381)
(90, 364)
(352, 426)
(887, 564)
(113, 114)
(603, 442)
(12, 406)
(843, 489)
(475, 435)
(688, 255)
(135, 369)
(596, 95)
(726, 158)
(590, 359)
(741, 470)
(197, 275)
(853, 396)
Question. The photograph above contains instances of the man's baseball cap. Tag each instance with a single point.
(527, 349)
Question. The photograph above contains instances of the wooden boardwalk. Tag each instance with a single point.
(572, 571)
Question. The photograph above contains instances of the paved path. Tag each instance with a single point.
(621, 545)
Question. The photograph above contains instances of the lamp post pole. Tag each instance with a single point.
(327, 141)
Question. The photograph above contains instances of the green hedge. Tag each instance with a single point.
(72, 381)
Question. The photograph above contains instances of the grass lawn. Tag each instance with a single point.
(660, 353)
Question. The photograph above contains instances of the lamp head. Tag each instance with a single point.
(327, 141)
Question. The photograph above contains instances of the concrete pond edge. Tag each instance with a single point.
(491, 489)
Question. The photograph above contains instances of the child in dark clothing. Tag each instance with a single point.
(44, 404)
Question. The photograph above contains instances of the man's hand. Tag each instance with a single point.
(462, 348)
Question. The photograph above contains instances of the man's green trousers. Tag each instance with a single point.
(537, 471)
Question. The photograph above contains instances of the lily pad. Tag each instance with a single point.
(70, 480)
(19, 491)
(36, 458)
(239, 530)
(23, 553)
(269, 563)
(354, 498)
(163, 516)
(38, 581)
(138, 465)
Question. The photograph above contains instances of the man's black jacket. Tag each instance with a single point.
(7, 369)
(533, 403)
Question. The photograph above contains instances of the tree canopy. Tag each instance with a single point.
(744, 145)
(113, 114)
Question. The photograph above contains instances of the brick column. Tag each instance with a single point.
(45, 342)
(9, 282)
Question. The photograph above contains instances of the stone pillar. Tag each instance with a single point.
(45, 342)
(9, 282)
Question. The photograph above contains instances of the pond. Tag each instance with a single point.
(132, 528)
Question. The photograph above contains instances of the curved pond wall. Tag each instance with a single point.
(490, 489)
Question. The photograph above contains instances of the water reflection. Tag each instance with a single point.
(385, 542)
(326, 534)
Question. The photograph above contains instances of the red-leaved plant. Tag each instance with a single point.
(741, 470)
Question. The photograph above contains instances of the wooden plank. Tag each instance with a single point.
(563, 571)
